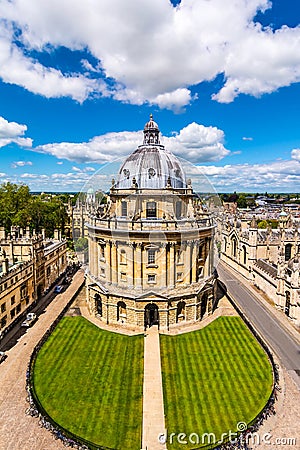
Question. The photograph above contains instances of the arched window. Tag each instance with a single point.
(287, 303)
(180, 314)
(244, 254)
(98, 303)
(287, 252)
(121, 312)
(234, 247)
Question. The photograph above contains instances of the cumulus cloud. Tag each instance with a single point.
(149, 51)
(16, 164)
(274, 176)
(13, 132)
(195, 142)
(247, 138)
(295, 154)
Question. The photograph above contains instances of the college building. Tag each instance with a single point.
(269, 258)
(29, 265)
(151, 249)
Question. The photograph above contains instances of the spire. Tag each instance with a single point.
(151, 132)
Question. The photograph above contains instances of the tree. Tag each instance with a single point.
(19, 208)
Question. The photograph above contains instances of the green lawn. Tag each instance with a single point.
(212, 379)
(91, 382)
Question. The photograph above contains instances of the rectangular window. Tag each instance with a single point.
(3, 307)
(101, 252)
(151, 256)
(179, 256)
(151, 278)
(18, 308)
(151, 210)
(23, 291)
(178, 209)
(13, 313)
(124, 209)
(12, 300)
(179, 276)
(123, 276)
(3, 321)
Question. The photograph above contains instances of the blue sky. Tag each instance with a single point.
(78, 81)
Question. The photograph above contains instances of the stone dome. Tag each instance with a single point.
(151, 166)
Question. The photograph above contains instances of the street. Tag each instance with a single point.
(283, 343)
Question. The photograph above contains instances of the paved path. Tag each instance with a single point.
(18, 431)
(153, 405)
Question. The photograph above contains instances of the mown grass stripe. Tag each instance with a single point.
(223, 367)
(90, 385)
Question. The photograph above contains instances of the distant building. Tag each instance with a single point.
(151, 249)
(270, 258)
(29, 264)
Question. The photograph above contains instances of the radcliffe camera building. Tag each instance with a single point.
(151, 249)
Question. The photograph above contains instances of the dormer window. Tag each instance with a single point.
(124, 209)
(151, 172)
(151, 210)
(126, 173)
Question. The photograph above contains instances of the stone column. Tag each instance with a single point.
(114, 263)
(207, 258)
(108, 261)
(187, 265)
(194, 262)
(139, 265)
(172, 264)
(132, 246)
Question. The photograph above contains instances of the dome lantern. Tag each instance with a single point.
(151, 133)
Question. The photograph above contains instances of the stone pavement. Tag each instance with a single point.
(153, 405)
(18, 431)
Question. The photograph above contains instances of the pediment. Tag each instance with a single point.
(150, 295)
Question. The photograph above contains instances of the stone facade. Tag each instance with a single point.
(267, 257)
(151, 250)
(30, 264)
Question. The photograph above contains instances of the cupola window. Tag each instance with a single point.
(124, 209)
(151, 172)
(151, 210)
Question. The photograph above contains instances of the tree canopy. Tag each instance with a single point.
(19, 208)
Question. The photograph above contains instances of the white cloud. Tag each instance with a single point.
(13, 132)
(152, 51)
(274, 176)
(16, 164)
(195, 142)
(247, 138)
(295, 154)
